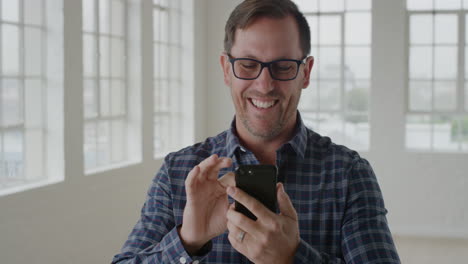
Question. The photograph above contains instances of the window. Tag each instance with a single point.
(336, 103)
(437, 105)
(168, 93)
(111, 130)
(30, 94)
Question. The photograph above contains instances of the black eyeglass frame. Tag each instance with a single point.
(232, 60)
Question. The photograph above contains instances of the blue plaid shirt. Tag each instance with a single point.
(334, 191)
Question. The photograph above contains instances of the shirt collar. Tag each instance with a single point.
(298, 142)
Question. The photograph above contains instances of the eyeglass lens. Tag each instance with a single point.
(250, 69)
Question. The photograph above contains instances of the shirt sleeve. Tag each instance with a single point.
(366, 237)
(155, 238)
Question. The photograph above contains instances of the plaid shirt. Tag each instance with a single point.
(334, 191)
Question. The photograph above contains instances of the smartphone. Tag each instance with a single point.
(259, 181)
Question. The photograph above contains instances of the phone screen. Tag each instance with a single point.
(259, 181)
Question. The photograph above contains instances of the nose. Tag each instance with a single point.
(264, 82)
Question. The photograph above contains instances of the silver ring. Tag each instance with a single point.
(241, 236)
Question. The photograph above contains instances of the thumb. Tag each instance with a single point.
(285, 205)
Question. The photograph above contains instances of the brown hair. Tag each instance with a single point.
(247, 11)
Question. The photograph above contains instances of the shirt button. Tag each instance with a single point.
(183, 260)
(196, 262)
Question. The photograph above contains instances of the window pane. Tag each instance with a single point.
(332, 125)
(118, 140)
(330, 96)
(104, 60)
(445, 133)
(447, 4)
(357, 96)
(118, 98)
(160, 2)
(445, 96)
(33, 51)
(309, 97)
(156, 59)
(419, 4)
(103, 143)
(156, 24)
(466, 96)
(13, 155)
(33, 103)
(10, 49)
(89, 10)
(420, 94)
(331, 5)
(117, 58)
(90, 99)
(314, 26)
(446, 29)
(163, 96)
(161, 134)
(330, 30)
(418, 132)
(420, 63)
(357, 131)
(310, 120)
(175, 63)
(104, 98)
(307, 5)
(12, 102)
(421, 29)
(357, 63)
(461, 132)
(329, 63)
(358, 4)
(10, 10)
(118, 18)
(175, 31)
(89, 55)
(33, 11)
(163, 61)
(90, 143)
(445, 63)
(465, 4)
(104, 16)
(358, 28)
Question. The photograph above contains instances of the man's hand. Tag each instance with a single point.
(207, 203)
(272, 238)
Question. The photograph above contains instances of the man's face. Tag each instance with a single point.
(266, 107)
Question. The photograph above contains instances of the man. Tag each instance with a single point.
(330, 206)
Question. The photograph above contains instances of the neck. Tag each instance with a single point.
(265, 148)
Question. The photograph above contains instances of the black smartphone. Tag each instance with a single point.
(259, 181)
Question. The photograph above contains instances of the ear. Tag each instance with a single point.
(226, 67)
(307, 69)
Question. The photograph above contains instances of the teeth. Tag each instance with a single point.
(262, 104)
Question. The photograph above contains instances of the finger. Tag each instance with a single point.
(256, 207)
(285, 205)
(222, 162)
(192, 175)
(211, 166)
(207, 164)
(228, 179)
(235, 231)
(243, 222)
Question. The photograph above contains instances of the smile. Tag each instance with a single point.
(263, 104)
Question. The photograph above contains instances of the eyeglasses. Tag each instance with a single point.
(250, 69)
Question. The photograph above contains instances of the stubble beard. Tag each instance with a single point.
(265, 135)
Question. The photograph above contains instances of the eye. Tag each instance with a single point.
(282, 67)
(249, 64)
